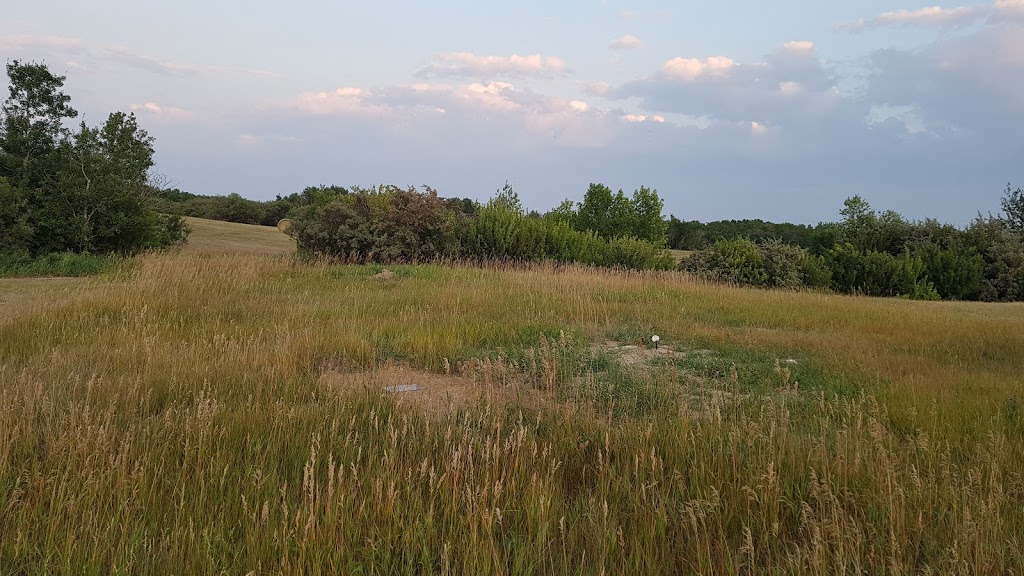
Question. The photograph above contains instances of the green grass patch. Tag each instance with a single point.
(58, 264)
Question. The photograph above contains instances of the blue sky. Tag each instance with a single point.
(733, 109)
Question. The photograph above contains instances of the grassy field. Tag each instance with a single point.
(208, 412)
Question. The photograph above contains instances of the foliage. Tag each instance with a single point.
(636, 254)
(14, 223)
(388, 224)
(956, 273)
(13, 265)
(32, 124)
(737, 261)
(770, 264)
(866, 230)
(1002, 253)
(379, 225)
(616, 216)
(83, 192)
(234, 208)
(814, 272)
(872, 273)
(1013, 207)
(694, 235)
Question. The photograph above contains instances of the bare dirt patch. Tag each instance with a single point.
(634, 354)
(434, 393)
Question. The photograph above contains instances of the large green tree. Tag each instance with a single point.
(32, 126)
(85, 191)
(615, 216)
(1013, 208)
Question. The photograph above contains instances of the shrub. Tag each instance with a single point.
(739, 261)
(814, 273)
(234, 208)
(14, 265)
(171, 231)
(955, 273)
(781, 263)
(335, 229)
(637, 254)
(873, 273)
(1002, 253)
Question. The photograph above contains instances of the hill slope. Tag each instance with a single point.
(215, 237)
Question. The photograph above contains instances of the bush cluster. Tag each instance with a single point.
(768, 264)
(390, 224)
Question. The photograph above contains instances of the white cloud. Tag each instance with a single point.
(692, 68)
(468, 64)
(757, 128)
(491, 96)
(627, 42)
(578, 106)
(163, 112)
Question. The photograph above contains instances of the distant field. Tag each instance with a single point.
(215, 237)
(223, 411)
(681, 255)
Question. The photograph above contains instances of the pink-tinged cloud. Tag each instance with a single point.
(798, 46)
(467, 64)
(345, 100)
(162, 112)
(934, 16)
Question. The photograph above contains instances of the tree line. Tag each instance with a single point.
(66, 192)
(883, 254)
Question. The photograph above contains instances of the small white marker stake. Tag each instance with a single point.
(655, 339)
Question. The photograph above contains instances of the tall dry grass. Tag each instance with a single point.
(172, 421)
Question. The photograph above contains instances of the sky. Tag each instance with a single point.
(732, 109)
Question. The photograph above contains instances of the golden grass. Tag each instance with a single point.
(21, 296)
(176, 420)
(215, 237)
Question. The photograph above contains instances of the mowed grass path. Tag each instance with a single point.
(18, 296)
(215, 237)
(173, 420)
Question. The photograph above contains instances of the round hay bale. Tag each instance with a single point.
(284, 225)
